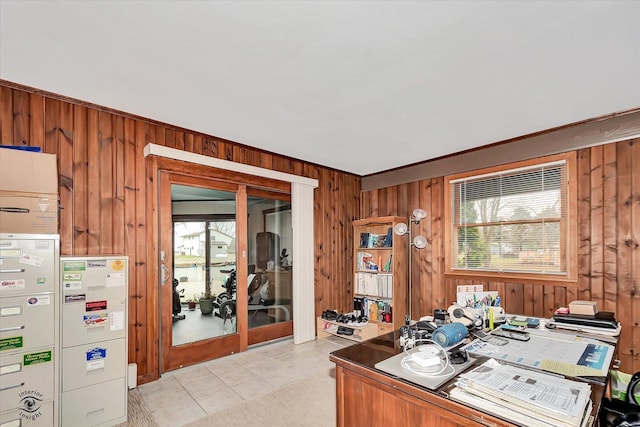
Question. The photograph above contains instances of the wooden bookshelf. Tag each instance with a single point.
(380, 266)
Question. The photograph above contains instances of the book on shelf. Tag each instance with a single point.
(389, 239)
(374, 284)
(372, 240)
(374, 309)
(364, 261)
(387, 265)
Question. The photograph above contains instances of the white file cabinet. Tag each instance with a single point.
(94, 293)
(29, 329)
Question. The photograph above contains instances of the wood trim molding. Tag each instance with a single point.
(598, 131)
(185, 156)
(302, 199)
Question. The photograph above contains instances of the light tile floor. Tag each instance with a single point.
(276, 384)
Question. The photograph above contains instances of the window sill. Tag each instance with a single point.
(538, 279)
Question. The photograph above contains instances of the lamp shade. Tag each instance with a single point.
(401, 229)
(419, 214)
(420, 242)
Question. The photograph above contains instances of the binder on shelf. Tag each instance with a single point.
(364, 240)
(387, 265)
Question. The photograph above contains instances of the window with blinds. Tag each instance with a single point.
(510, 221)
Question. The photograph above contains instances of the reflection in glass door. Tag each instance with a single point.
(271, 260)
(204, 263)
(198, 246)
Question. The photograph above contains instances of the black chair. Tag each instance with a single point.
(177, 306)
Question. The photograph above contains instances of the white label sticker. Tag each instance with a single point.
(12, 423)
(10, 252)
(95, 364)
(39, 300)
(10, 311)
(10, 369)
(72, 276)
(114, 279)
(11, 285)
(71, 285)
(33, 260)
(116, 320)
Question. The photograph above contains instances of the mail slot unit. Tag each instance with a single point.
(27, 322)
(26, 379)
(89, 364)
(40, 416)
(27, 264)
(99, 404)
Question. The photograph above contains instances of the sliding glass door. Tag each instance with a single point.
(227, 259)
(198, 254)
(271, 260)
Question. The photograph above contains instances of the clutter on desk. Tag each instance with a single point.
(473, 303)
(587, 308)
(566, 353)
(528, 397)
(585, 316)
(531, 352)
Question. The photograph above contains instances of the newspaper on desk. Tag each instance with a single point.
(551, 351)
(526, 396)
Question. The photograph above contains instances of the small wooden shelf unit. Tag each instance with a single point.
(326, 328)
(383, 287)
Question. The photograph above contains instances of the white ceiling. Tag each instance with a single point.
(354, 85)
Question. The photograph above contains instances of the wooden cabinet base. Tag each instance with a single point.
(377, 400)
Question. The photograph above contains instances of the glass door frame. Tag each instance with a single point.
(174, 357)
(160, 158)
(283, 328)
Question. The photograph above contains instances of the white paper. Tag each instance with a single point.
(544, 347)
(115, 279)
(92, 365)
(537, 393)
(33, 260)
(116, 320)
(11, 285)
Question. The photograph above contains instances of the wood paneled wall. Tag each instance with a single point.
(608, 241)
(102, 194)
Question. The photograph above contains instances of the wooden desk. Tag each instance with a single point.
(369, 397)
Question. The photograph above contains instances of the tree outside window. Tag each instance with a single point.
(510, 220)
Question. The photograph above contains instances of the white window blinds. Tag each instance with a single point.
(511, 221)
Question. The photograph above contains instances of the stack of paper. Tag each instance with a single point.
(524, 396)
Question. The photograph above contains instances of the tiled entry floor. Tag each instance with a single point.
(276, 384)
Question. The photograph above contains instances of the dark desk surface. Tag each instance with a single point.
(367, 353)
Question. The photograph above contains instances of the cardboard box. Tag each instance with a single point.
(28, 192)
(586, 308)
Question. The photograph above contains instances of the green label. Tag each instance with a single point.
(33, 358)
(9, 343)
(74, 266)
